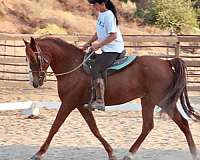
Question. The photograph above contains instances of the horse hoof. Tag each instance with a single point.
(35, 157)
(113, 158)
(88, 107)
(126, 158)
(198, 158)
(129, 156)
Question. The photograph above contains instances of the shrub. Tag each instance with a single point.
(50, 29)
(177, 15)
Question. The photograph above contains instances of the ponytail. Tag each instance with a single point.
(110, 6)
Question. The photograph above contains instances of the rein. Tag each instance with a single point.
(41, 59)
(76, 68)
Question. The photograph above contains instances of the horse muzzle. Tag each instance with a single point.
(35, 85)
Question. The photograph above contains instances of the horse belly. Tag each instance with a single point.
(124, 87)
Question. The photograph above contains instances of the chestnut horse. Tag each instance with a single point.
(155, 81)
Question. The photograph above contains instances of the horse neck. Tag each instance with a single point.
(63, 57)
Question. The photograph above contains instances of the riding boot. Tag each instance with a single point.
(100, 89)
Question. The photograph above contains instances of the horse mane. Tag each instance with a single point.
(60, 42)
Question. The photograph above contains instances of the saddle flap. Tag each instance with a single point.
(122, 62)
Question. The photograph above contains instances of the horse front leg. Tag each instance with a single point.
(89, 118)
(62, 114)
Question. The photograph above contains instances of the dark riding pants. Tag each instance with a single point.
(103, 61)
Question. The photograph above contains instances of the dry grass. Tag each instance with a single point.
(28, 16)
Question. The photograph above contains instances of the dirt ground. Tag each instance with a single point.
(20, 137)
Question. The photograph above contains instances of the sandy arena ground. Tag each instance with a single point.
(21, 137)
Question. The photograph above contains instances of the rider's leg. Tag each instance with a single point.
(100, 90)
(102, 62)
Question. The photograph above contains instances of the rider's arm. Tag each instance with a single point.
(89, 43)
(93, 39)
(109, 39)
(112, 36)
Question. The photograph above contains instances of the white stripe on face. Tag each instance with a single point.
(30, 73)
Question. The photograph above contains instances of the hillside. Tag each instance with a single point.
(61, 16)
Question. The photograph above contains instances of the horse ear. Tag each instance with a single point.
(25, 42)
(32, 40)
(32, 43)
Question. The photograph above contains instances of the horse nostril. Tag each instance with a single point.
(35, 85)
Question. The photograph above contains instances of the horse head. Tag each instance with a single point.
(37, 63)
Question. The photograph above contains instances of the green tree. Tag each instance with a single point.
(177, 15)
(196, 5)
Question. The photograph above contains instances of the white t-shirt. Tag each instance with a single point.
(106, 24)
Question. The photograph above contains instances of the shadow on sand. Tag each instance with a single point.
(23, 152)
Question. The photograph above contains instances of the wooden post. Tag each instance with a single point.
(4, 67)
(177, 49)
(76, 41)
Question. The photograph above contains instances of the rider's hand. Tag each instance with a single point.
(96, 46)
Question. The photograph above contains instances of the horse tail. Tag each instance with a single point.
(189, 110)
(178, 89)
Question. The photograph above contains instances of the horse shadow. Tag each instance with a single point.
(24, 152)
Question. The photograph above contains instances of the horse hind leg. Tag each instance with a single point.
(184, 126)
(148, 124)
(89, 118)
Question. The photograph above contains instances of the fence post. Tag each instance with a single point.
(76, 34)
(177, 49)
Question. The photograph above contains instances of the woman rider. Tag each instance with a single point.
(109, 39)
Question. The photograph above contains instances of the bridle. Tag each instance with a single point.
(42, 72)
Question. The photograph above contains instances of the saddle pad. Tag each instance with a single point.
(121, 63)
